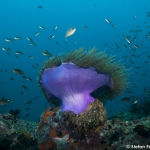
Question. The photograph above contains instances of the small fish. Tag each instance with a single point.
(4, 101)
(40, 7)
(41, 27)
(134, 17)
(8, 40)
(136, 46)
(31, 57)
(55, 28)
(108, 21)
(17, 71)
(6, 49)
(29, 102)
(46, 53)
(29, 79)
(17, 38)
(27, 108)
(24, 87)
(70, 32)
(145, 91)
(14, 135)
(29, 39)
(27, 115)
(84, 27)
(33, 44)
(57, 43)
(125, 99)
(134, 102)
(52, 36)
(113, 25)
(37, 33)
(11, 78)
(127, 39)
(19, 53)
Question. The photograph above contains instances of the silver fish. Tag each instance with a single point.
(127, 39)
(55, 28)
(41, 27)
(29, 39)
(108, 21)
(18, 53)
(52, 36)
(136, 46)
(8, 40)
(70, 32)
(46, 53)
(17, 38)
(33, 44)
(37, 33)
(31, 57)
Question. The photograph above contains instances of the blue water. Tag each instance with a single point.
(22, 18)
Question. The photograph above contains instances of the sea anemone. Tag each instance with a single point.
(78, 77)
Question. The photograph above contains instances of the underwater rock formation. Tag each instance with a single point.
(79, 126)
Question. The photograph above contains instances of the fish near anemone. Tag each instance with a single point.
(78, 77)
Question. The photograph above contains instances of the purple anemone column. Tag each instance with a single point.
(73, 85)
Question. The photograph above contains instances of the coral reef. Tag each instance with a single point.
(113, 134)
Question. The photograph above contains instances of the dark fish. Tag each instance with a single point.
(29, 79)
(125, 99)
(84, 27)
(136, 46)
(29, 102)
(29, 39)
(27, 115)
(40, 7)
(24, 87)
(113, 25)
(27, 108)
(4, 101)
(17, 71)
(11, 78)
(145, 91)
(14, 135)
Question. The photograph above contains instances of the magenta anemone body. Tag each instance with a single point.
(73, 85)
